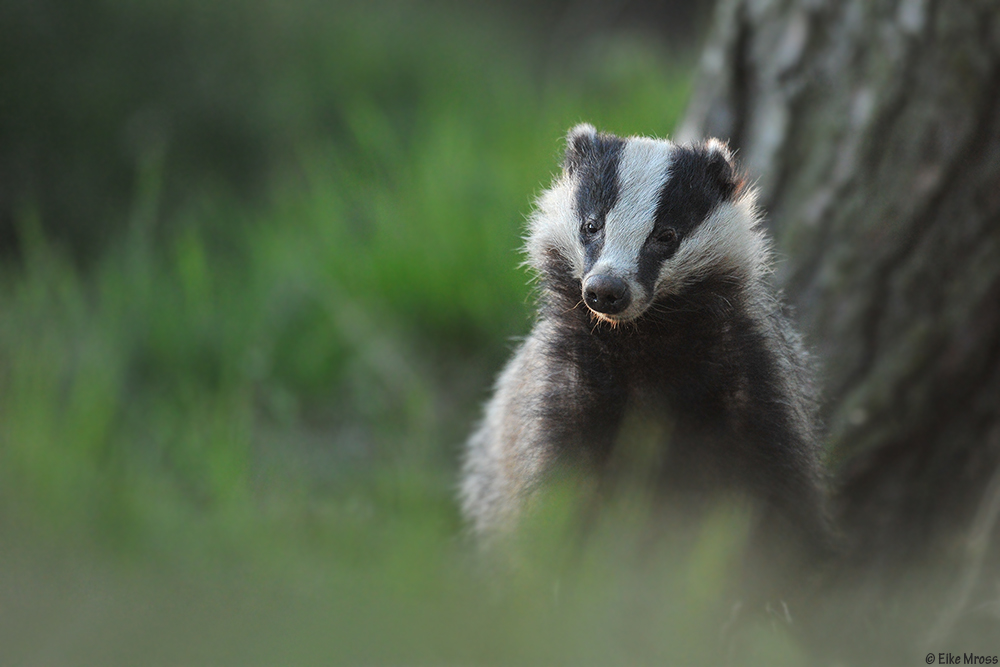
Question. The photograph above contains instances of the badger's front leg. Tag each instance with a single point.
(545, 412)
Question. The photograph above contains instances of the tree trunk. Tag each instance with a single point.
(872, 128)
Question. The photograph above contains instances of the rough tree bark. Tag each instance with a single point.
(872, 128)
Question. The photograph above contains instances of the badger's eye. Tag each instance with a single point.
(592, 226)
(667, 237)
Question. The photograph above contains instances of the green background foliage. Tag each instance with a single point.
(261, 266)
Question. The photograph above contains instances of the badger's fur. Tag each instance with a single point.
(654, 295)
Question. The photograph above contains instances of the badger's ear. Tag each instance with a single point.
(724, 178)
(580, 143)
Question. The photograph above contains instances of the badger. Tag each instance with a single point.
(654, 294)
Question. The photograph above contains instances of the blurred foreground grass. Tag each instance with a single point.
(233, 437)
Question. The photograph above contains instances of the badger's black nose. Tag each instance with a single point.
(606, 294)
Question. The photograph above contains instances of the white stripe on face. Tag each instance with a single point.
(642, 171)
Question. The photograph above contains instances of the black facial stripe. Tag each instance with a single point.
(699, 179)
(650, 261)
(591, 251)
(596, 166)
(690, 192)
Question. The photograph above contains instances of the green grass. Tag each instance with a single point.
(239, 426)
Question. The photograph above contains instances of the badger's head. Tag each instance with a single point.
(636, 219)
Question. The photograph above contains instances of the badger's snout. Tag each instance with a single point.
(606, 294)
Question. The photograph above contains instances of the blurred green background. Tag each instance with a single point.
(260, 266)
